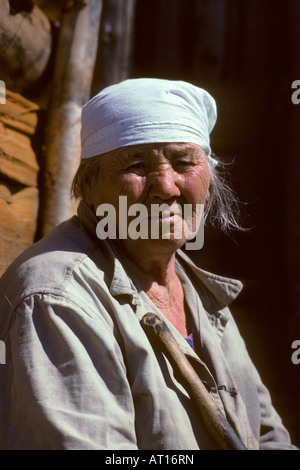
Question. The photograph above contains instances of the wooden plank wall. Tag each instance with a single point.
(19, 196)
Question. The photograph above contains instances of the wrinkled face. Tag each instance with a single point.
(172, 174)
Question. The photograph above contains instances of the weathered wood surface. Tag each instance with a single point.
(51, 8)
(74, 67)
(114, 57)
(18, 215)
(19, 196)
(25, 46)
(18, 121)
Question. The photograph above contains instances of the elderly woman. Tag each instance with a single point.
(81, 372)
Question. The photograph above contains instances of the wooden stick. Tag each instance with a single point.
(216, 424)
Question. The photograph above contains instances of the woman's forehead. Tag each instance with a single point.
(149, 151)
(168, 148)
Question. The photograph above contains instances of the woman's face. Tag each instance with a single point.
(149, 175)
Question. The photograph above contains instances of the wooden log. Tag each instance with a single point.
(113, 62)
(5, 193)
(25, 204)
(72, 80)
(51, 8)
(18, 168)
(18, 121)
(19, 113)
(18, 215)
(9, 232)
(25, 46)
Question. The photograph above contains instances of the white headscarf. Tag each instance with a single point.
(147, 110)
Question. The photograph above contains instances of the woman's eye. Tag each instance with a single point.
(183, 164)
(137, 166)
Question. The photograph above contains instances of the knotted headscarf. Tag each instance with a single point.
(147, 110)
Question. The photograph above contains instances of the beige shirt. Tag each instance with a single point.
(80, 372)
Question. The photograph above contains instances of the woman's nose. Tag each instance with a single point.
(163, 184)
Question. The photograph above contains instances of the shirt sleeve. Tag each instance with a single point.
(272, 433)
(64, 380)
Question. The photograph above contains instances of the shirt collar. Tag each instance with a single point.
(217, 292)
(220, 291)
(120, 284)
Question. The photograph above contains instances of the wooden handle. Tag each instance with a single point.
(213, 419)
